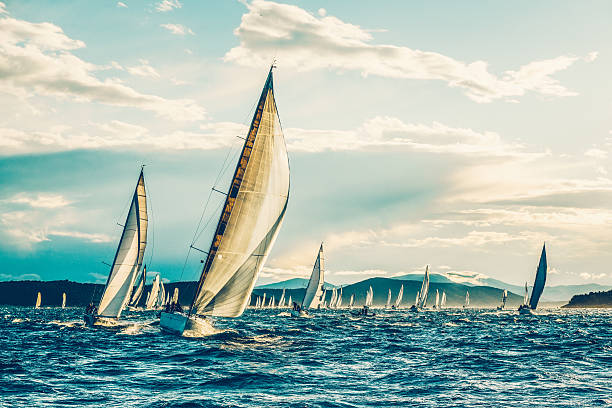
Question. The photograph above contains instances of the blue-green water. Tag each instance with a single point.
(453, 358)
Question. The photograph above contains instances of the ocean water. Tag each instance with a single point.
(453, 358)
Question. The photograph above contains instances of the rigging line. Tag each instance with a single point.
(152, 226)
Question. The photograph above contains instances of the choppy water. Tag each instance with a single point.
(432, 359)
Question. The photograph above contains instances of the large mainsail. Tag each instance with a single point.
(314, 295)
(251, 217)
(140, 288)
(129, 256)
(540, 280)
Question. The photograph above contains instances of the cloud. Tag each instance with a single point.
(596, 153)
(304, 41)
(177, 29)
(121, 4)
(168, 5)
(2, 8)
(24, 276)
(40, 200)
(36, 59)
(143, 70)
(84, 236)
(592, 276)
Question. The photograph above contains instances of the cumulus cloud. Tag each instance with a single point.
(37, 59)
(168, 5)
(305, 41)
(121, 4)
(143, 70)
(40, 200)
(177, 29)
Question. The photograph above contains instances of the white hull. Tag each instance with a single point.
(178, 323)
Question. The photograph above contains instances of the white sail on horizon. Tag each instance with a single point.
(290, 302)
(422, 298)
(398, 301)
(388, 304)
(153, 293)
(251, 217)
(467, 298)
(128, 258)
(351, 301)
(63, 300)
(437, 304)
(443, 301)
(315, 292)
(339, 300)
(281, 301)
(540, 280)
(38, 301)
(369, 297)
(140, 288)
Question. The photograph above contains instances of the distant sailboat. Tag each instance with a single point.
(338, 304)
(314, 297)
(437, 304)
(127, 262)
(398, 301)
(290, 302)
(334, 297)
(153, 294)
(369, 297)
(538, 285)
(263, 301)
(63, 300)
(503, 300)
(324, 304)
(257, 302)
(175, 296)
(351, 301)
(467, 299)
(388, 303)
(443, 301)
(281, 302)
(140, 288)
(421, 299)
(248, 224)
(38, 301)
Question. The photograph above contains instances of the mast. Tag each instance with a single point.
(240, 263)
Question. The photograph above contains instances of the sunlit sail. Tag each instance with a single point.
(315, 294)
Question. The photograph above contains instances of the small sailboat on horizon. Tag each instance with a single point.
(38, 301)
(421, 299)
(504, 297)
(538, 286)
(467, 299)
(315, 294)
(398, 300)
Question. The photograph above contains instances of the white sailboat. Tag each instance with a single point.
(248, 224)
(338, 304)
(388, 303)
(153, 294)
(258, 302)
(443, 301)
(538, 285)
(64, 300)
(334, 297)
(467, 299)
(281, 302)
(263, 301)
(369, 297)
(290, 302)
(314, 296)
(140, 288)
(351, 301)
(127, 262)
(503, 300)
(437, 304)
(38, 301)
(324, 305)
(421, 300)
(175, 296)
(398, 301)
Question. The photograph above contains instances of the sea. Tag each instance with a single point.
(266, 358)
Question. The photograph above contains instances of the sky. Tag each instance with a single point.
(459, 135)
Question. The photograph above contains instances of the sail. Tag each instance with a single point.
(38, 300)
(332, 302)
(161, 295)
(504, 297)
(526, 295)
(416, 301)
(129, 256)
(281, 302)
(467, 298)
(175, 295)
(251, 217)
(339, 300)
(263, 301)
(388, 304)
(369, 297)
(424, 289)
(399, 297)
(351, 301)
(437, 299)
(290, 302)
(315, 294)
(443, 301)
(153, 294)
(140, 288)
(63, 300)
(540, 280)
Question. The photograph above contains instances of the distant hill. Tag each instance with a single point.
(559, 293)
(295, 283)
(480, 296)
(592, 299)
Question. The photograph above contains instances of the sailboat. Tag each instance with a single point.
(503, 300)
(398, 301)
(324, 304)
(388, 303)
(127, 262)
(443, 301)
(64, 300)
(334, 297)
(338, 304)
(249, 222)
(139, 289)
(281, 302)
(351, 301)
(153, 294)
(467, 299)
(257, 302)
(365, 311)
(263, 301)
(538, 286)
(290, 302)
(437, 304)
(38, 301)
(421, 299)
(315, 294)
(175, 296)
